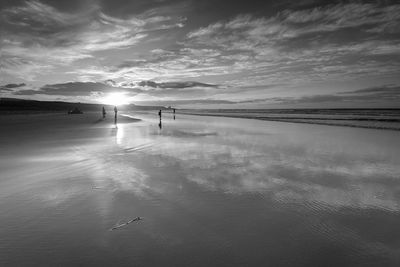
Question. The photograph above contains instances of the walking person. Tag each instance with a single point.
(115, 114)
(104, 113)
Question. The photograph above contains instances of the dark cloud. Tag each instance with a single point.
(14, 85)
(389, 89)
(10, 86)
(176, 85)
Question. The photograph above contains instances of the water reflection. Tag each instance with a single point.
(287, 176)
(198, 183)
(293, 166)
(302, 169)
(119, 134)
(322, 179)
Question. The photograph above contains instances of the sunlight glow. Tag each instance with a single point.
(115, 99)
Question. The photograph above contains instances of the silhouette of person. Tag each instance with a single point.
(104, 113)
(115, 111)
(174, 111)
(159, 114)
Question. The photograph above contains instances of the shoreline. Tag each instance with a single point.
(313, 121)
(383, 123)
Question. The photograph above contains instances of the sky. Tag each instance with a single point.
(203, 54)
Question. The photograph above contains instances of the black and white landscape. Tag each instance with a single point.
(199, 133)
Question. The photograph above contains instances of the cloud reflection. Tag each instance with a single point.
(299, 172)
(289, 164)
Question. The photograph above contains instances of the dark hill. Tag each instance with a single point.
(14, 105)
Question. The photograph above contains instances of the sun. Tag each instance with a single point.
(115, 99)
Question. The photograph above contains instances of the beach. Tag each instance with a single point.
(208, 191)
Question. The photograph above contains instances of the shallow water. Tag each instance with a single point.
(388, 119)
(211, 191)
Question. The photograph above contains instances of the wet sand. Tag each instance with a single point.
(210, 191)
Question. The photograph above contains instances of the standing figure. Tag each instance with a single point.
(174, 111)
(104, 113)
(159, 114)
(115, 112)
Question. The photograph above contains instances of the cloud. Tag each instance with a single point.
(178, 64)
(23, 68)
(334, 17)
(300, 43)
(290, 23)
(78, 89)
(291, 172)
(39, 33)
(233, 55)
(293, 47)
(110, 82)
